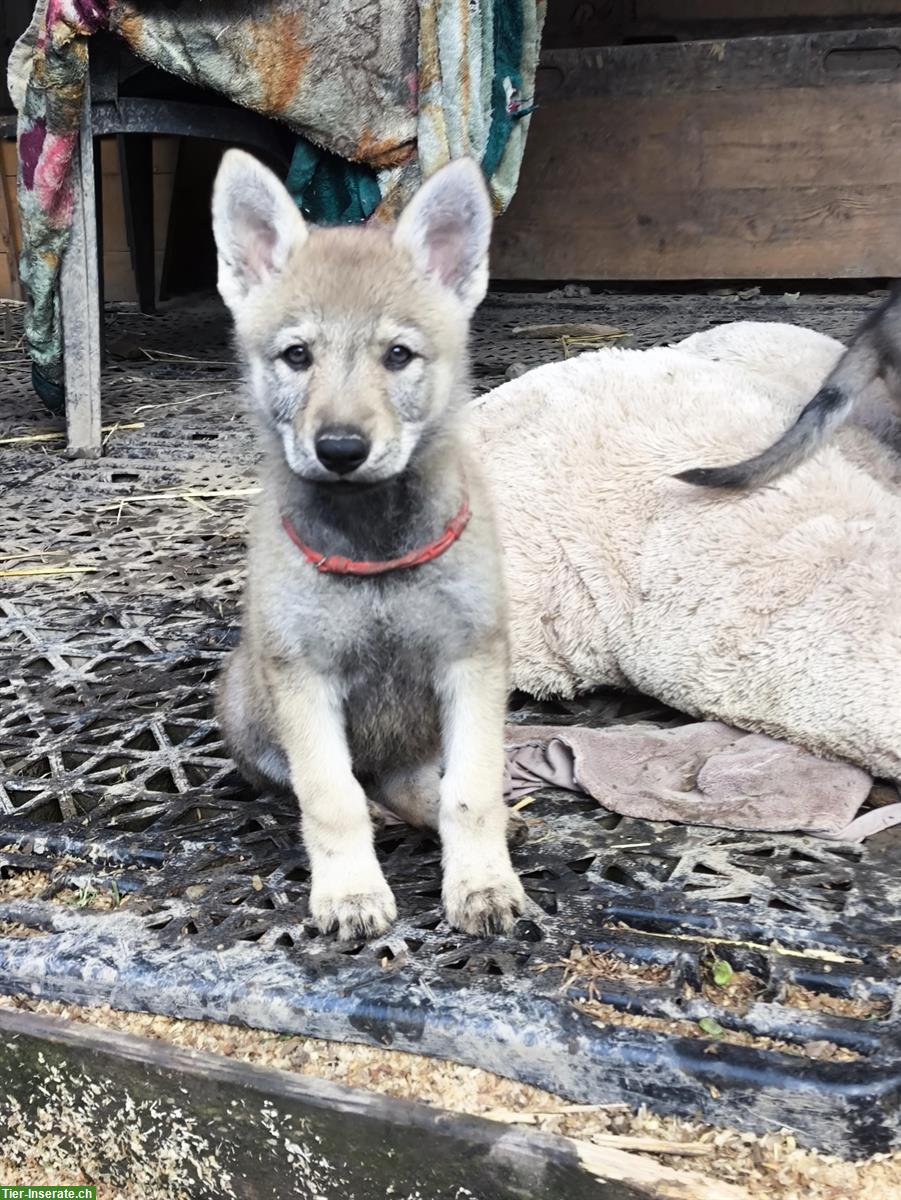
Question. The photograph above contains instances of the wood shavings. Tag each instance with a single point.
(841, 1006)
(769, 1167)
(97, 891)
(589, 342)
(667, 1184)
(585, 967)
(737, 994)
(607, 1014)
(14, 929)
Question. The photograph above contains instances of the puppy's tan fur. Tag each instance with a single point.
(393, 685)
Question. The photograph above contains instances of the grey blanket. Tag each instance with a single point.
(705, 773)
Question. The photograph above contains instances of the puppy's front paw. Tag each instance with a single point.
(355, 915)
(483, 908)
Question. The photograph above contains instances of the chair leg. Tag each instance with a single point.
(98, 210)
(189, 261)
(136, 169)
(80, 304)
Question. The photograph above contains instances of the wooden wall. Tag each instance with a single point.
(118, 278)
(748, 158)
(117, 273)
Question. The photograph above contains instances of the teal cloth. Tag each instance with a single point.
(330, 190)
(506, 108)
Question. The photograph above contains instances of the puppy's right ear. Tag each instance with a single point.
(255, 224)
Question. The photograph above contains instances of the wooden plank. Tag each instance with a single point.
(163, 185)
(79, 305)
(10, 238)
(212, 1126)
(719, 236)
(758, 63)
(118, 276)
(692, 11)
(575, 23)
(729, 141)
(571, 23)
(8, 153)
(10, 229)
(165, 155)
(691, 183)
(8, 289)
(115, 238)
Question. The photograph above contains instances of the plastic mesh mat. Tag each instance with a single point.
(752, 977)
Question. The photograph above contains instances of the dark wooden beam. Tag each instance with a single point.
(208, 1125)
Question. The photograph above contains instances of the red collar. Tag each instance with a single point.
(334, 564)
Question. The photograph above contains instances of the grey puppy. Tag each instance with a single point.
(373, 654)
(874, 356)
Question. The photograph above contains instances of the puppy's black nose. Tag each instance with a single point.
(341, 450)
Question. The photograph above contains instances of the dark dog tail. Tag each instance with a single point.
(829, 409)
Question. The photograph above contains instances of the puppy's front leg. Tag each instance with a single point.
(482, 893)
(348, 889)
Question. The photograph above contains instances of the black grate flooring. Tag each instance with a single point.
(137, 870)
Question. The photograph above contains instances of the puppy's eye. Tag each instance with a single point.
(397, 357)
(298, 357)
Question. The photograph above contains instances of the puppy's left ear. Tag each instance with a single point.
(446, 229)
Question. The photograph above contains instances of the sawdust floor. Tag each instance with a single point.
(771, 1165)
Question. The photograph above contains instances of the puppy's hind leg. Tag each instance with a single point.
(414, 795)
(411, 793)
(257, 755)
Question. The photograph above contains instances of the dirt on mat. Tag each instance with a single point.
(585, 969)
(771, 1166)
(100, 893)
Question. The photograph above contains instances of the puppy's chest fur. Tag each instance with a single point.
(391, 703)
(385, 642)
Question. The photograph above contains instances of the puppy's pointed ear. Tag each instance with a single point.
(255, 224)
(446, 228)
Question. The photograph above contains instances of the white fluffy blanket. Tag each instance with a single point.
(776, 610)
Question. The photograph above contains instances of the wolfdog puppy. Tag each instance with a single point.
(373, 655)
(874, 354)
